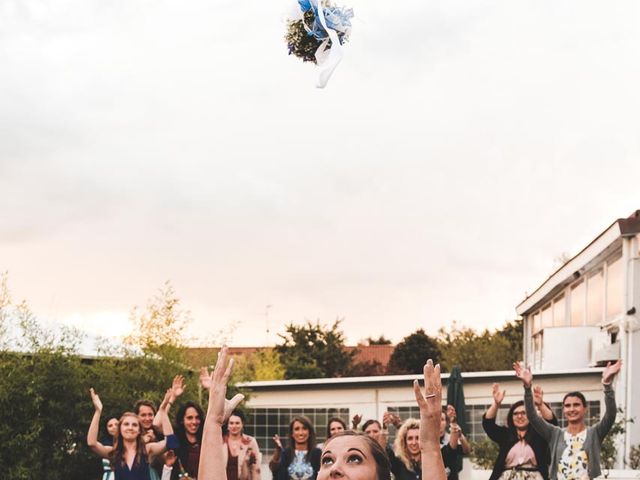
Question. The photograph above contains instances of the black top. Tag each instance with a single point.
(506, 438)
(452, 459)
(400, 470)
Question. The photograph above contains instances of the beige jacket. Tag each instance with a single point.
(248, 446)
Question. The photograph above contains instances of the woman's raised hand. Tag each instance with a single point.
(610, 371)
(452, 414)
(97, 403)
(429, 403)
(205, 378)
(169, 458)
(355, 421)
(219, 407)
(277, 441)
(430, 414)
(498, 395)
(523, 374)
(538, 396)
(177, 386)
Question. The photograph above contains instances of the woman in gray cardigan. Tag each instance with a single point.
(575, 451)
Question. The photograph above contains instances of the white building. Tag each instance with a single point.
(580, 317)
(585, 314)
(274, 403)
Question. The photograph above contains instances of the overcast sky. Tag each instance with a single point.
(458, 149)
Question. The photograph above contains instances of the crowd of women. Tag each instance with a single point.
(144, 445)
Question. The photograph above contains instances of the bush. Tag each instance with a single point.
(609, 450)
(484, 453)
(634, 457)
(45, 408)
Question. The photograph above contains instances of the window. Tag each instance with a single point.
(559, 312)
(537, 325)
(537, 350)
(547, 317)
(264, 423)
(473, 416)
(474, 420)
(578, 293)
(595, 298)
(615, 285)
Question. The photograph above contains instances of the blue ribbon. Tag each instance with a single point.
(336, 18)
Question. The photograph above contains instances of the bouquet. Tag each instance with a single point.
(317, 33)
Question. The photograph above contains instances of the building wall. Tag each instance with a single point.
(615, 336)
(572, 314)
(274, 406)
(631, 356)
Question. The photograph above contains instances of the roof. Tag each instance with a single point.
(577, 265)
(372, 353)
(402, 379)
(200, 356)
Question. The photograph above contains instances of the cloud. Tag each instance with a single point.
(458, 147)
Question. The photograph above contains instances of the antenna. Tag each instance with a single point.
(266, 321)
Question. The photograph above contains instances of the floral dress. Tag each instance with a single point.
(574, 462)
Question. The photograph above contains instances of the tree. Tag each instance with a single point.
(381, 340)
(44, 398)
(262, 365)
(313, 350)
(159, 329)
(513, 333)
(485, 351)
(412, 352)
(5, 303)
(369, 368)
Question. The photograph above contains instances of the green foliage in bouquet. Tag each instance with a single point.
(301, 42)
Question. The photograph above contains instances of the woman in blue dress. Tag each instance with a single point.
(129, 455)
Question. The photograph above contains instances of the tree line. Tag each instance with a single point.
(45, 406)
(313, 350)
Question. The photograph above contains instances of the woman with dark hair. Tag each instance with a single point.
(129, 455)
(242, 451)
(575, 451)
(373, 429)
(523, 454)
(146, 411)
(112, 432)
(365, 458)
(301, 459)
(189, 427)
(335, 425)
(453, 445)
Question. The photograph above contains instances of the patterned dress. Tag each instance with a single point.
(300, 469)
(574, 462)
